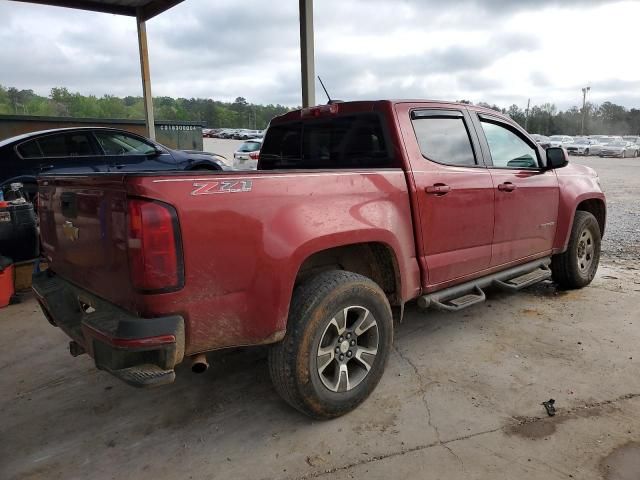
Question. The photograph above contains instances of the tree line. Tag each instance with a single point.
(212, 113)
(546, 119)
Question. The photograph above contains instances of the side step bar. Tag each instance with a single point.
(470, 293)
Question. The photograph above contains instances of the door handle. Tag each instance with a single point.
(120, 165)
(506, 187)
(438, 189)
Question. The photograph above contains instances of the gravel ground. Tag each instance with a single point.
(620, 179)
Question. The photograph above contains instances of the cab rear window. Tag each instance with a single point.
(348, 141)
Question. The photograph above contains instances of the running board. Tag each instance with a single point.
(465, 295)
(523, 281)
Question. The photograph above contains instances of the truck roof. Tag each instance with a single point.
(377, 105)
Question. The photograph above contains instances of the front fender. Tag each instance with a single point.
(566, 214)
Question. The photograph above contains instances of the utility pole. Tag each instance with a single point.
(526, 118)
(584, 107)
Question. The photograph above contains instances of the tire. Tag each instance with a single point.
(313, 335)
(576, 267)
(586, 152)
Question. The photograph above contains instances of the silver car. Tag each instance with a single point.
(584, 146)
(619, 148)
(560, 140)
(246, 157)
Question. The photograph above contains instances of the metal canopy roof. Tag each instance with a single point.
(145, 8)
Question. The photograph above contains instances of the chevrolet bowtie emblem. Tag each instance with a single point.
(70, 231)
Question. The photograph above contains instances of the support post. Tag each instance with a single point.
(146, 77)
(584, 107)
(307, 60)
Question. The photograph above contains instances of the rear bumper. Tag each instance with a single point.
(140, 351)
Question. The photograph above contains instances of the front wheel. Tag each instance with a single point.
(339, 334)
(577, 266)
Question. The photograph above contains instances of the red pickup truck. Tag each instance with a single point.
(356, 209)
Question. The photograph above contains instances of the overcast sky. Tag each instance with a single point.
(501, 51)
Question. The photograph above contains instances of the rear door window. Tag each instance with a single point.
(443, 138)
(348, 141)
(53, 146)
(30, 149)
(67, 145)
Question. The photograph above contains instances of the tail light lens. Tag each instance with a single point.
(254, 155)
(155, 251)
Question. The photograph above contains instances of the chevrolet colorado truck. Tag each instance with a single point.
(356, 209)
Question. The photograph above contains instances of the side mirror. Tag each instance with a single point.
(556, 158)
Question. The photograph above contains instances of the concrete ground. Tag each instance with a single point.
(461, 397)
(222, 147)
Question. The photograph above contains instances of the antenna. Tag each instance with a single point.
(325, 90)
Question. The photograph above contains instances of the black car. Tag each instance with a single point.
(92, 149)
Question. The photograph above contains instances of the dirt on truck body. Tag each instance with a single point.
(356, 208)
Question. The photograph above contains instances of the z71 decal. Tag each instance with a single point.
(224, 186)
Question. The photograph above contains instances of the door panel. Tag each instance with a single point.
(525, 218)
(526, 197)
(457, 227)
(454, 192)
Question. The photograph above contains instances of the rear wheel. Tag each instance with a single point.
(576, 267)
(339, 335)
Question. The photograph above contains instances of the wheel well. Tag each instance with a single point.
(374, 260)
(596, 208)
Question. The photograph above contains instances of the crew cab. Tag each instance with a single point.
(356, 209)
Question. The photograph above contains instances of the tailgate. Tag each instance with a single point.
(84, 233)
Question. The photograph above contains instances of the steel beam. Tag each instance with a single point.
(307, 60)
(146, 76)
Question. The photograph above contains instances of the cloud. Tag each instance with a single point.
(498, 51)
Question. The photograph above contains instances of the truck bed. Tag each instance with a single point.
(244, 237)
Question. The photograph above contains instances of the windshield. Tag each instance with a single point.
(556, 138)
(618, 144)
(582, 141)
(249, 147)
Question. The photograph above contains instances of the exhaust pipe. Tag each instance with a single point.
(199, 363)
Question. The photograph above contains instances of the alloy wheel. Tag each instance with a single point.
(347, 349)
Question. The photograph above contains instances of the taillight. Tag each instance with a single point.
(155, 255)
(254, 155)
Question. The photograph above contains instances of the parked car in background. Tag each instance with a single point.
(246, 157)
(610, 138)
(584, 146)
(90, 150)
(228, 133)
(619, 148)
(210, 132)
(633, 139)
(560, 140)
(542, 140)
(246, 134)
